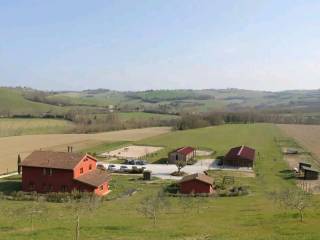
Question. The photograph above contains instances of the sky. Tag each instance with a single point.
(159, 44)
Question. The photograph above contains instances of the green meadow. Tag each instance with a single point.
(251, 217)
(28, 126)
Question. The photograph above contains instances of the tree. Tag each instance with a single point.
(18, 164)
(180, 164)
(294, 199)
(81, 203)
(152, 205)
(35, 208)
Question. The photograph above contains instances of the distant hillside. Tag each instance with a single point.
(13, 102)
(24, 101)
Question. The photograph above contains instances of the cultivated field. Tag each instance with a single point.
(17, 127)
(11, 146)
(251, 217)
(307, 136)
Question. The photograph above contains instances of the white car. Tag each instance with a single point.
(112, 167)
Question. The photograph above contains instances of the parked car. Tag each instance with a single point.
(112, 167)
(141, 162)
(131, 162)
(124, 169)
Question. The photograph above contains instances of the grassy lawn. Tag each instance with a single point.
(253, 216)
(17, 126)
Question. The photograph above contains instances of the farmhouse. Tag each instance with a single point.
(47, 171)
(183, 153)
(240, 157)
(196, 183)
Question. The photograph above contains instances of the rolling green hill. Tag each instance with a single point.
(13, 102)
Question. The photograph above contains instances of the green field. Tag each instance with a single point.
(12, 102)
(17, 127)
(254, 216)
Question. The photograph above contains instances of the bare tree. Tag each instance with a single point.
(152, 205)
(294, 199)
(18, 164)
(180, 164)
(79, 204)
(36, 208)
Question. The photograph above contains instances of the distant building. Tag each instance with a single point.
(47, 171)
(183, 153)
(240, 157)
(309, 173)
(196, 183)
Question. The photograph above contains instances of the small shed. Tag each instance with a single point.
(310, 173)
(183, 153)
(196, 183)
(302, 165)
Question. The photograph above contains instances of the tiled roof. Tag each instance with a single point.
(241, 152)
(185, 150)
(197, 176)
(49, 159)
(95, 178)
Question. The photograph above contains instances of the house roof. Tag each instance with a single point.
(309, 169)
(197, 176)
(94, 178)
(184, 150)
(241, 152)
(50, 159)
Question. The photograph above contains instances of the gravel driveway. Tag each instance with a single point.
(163, 170)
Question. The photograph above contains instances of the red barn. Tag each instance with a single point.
(240, 157)
(183, 153)
(46, 171)
(196, 183)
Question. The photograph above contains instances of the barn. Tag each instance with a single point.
(47, 171)
(310, 173)
(198, 183)
(241, 156)
(183, 153)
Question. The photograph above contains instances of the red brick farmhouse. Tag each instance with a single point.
(46, 171)
(240, 157)
(183, 153)
(196, 183)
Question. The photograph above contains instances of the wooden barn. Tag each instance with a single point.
(183, 153)
(310, 173)
(242, 156)
(46, 171)
(197, 184)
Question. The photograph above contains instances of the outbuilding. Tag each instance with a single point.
(198, 183)
(183, 153)
(310, 173)
(241, 156)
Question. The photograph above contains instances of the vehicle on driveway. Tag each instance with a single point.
(124, 169)
(141, 162)
(112, 167)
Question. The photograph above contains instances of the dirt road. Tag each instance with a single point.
(11, 146)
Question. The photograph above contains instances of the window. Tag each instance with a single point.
(90, 166)
(63, 188)
(101, 188)
(81, 170)
(177, 157)
(47, 171)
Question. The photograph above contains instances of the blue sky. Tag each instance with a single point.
(157, 44)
